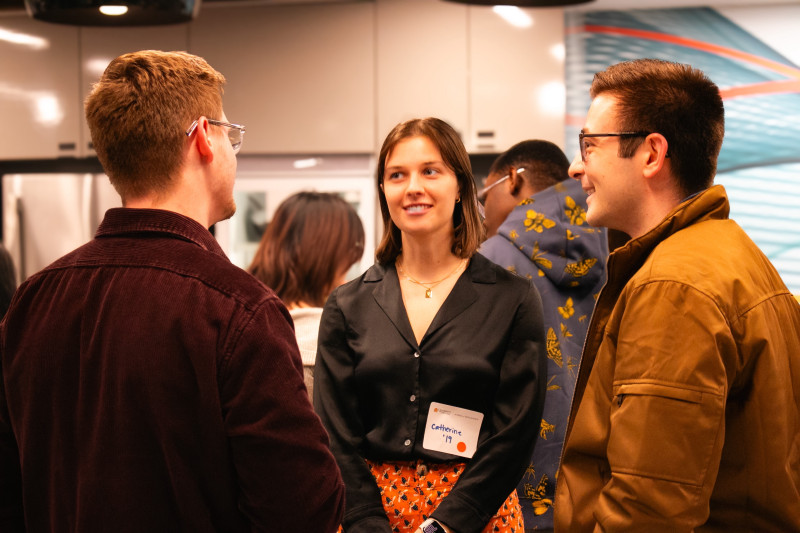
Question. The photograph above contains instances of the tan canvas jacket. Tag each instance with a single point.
(686, 415)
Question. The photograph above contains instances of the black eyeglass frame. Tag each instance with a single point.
(583, 135)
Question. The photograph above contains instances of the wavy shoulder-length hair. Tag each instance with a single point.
(312, 238)
(469, 230)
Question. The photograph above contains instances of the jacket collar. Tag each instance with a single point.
(121, 221)
(625, 261)
(711, 204)
(388, 296)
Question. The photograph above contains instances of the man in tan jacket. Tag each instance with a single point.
(686, 414)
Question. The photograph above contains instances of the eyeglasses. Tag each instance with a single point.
(483, 192)
(235, 132)
(582, 136)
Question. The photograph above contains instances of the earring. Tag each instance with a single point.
(458, 199)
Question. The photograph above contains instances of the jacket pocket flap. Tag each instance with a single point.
(658, 389)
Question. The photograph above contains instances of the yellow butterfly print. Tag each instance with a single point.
(537, 221)
(571, 366)
(565, 332)
(513, 235)
(537, 494)
(554, 347)
(571, 236)
(581, 267)
(576, 213)
(550, 385)
(537, 258)
(530, 471)
(546, 428)
(527, 201)
(567, 310)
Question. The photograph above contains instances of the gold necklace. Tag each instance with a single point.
(429, 286)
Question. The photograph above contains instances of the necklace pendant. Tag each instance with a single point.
(428, 293)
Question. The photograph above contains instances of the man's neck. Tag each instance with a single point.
(182, 204)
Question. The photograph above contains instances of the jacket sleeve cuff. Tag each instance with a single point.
(460, 515)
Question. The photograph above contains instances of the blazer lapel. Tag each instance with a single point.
(463, 294)
(387, 295)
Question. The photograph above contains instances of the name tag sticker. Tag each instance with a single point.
(452, 430)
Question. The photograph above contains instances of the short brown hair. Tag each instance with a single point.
(469, 231)
(312, 238)
(677, 101)
(139, 111)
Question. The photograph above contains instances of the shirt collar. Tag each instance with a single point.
(120, 221)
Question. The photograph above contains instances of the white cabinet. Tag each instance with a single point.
(300, 77)
(495, 83)
(47, 72)
(422, 60)
(311, 78)
(100, 45)
(516, 81)
(39, 87)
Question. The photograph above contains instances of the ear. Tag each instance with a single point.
(514, 180)
(656, 153)
(518, 186)
(202, 139)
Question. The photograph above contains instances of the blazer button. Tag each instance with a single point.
(416, 354)
(407, 442)
(413, 398)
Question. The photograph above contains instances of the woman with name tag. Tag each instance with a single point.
(430, 372)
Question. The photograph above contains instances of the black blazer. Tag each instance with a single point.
(373, 385)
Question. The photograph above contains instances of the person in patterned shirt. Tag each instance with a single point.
(535, 219)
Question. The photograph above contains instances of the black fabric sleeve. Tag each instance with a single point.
(500, 461)
(336, 404)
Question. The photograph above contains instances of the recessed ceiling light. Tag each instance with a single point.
(113, 11)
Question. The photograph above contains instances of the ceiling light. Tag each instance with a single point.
(524, 3)
(113, 11)
(123, 12)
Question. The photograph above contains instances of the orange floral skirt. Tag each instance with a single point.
(411, 491)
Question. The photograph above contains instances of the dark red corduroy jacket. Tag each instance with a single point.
(150, 385)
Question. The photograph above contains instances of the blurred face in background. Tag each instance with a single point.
(498, 201)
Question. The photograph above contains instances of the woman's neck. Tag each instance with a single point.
(428, 259)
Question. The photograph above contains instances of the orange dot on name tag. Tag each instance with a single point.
(461, 447)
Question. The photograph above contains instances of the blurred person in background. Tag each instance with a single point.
(430, 371)
(313, 239)
(148, 384)
(8, 279)
(536, 221)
